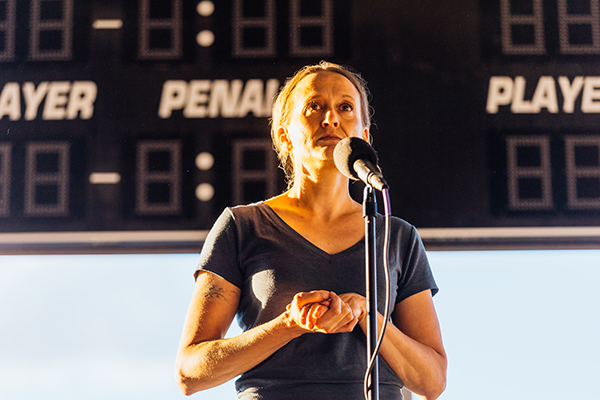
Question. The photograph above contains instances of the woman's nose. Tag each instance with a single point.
(330, 118)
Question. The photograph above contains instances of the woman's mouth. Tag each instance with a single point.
(329, 137)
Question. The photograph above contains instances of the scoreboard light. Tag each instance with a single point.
(129, 126)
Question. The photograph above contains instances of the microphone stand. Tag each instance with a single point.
(369, 213)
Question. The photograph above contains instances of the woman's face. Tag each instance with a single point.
(325, 110)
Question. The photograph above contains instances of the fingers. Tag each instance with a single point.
(306, 307)
(316, 296)
(337, 317)
(357, 303)
(313, 312)
(322, 311)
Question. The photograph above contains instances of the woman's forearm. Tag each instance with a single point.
(210, 363)
(421, 368)
(412, 346)
(205, 363)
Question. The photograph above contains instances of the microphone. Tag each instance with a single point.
(356, 159)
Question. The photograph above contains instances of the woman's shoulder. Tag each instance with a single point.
(248, 208)
(400, 230)
(247, 212)
(236, 220)
(397, 223)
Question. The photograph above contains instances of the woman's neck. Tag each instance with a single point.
(326, 195)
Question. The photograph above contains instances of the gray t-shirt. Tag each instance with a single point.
(255, 250)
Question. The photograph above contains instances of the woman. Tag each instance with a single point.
(292, 269)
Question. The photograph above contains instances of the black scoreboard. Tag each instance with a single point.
(132, 124)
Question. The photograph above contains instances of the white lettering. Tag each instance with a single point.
(252, 99)
(197, 99)
(519, 104)
(56, 101)
(173, 98)
(62, 100)
(591, 95)
(33, 98)
(499, 93)
(570, 92)
(218, 98)
(545, 95)
(225, 97)
(271, 92)
(506, 91)
(81, 101)
(10, 101)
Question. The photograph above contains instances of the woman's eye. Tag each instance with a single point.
(346, 107)
(314, 106)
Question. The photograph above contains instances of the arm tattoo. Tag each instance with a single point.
(215, 292)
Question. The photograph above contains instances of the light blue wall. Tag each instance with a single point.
(516, 325)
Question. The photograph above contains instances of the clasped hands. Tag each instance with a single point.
(326, 312)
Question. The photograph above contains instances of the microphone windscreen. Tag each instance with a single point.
(348, 150)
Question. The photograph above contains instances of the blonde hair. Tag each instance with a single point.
(282, 107)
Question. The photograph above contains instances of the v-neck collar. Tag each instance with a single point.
(291, 232)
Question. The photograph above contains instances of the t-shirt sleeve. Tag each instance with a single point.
(416, 273)
(220, 250)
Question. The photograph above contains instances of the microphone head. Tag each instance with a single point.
(350, 149)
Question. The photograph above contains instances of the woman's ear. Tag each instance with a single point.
(284, 139)
(366, 136)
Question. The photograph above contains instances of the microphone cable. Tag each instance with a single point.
(386, 251)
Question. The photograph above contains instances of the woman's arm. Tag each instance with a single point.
(205, 359)
(412, 345)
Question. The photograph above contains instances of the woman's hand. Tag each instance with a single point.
(321, 311)
(358, 304)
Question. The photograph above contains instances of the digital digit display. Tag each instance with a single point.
(128, 125)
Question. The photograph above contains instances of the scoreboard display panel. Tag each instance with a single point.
(132, 124)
